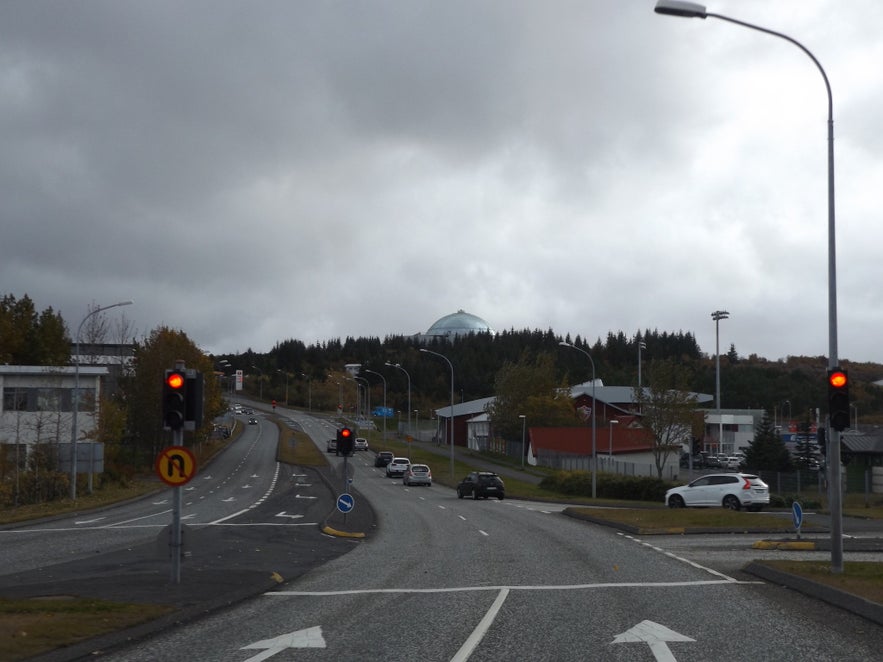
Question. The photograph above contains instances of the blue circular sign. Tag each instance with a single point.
(797, 514)
(345, 503)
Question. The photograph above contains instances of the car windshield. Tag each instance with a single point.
(487, 479)
(419, 467)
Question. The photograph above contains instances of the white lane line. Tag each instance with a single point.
(484, 533)
(698, 566)
(560, 587)
(481, 629)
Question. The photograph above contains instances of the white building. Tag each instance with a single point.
(37, 402)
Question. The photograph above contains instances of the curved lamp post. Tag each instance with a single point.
(594, 407)
(398, 365)
(717, 316)
(76, 398)
(309, 391)
(695, 10)
(451, 439)
(373, 372)
(260, 383)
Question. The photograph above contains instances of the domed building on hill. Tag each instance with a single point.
(456, 324)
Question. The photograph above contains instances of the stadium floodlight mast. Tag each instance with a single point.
(76, 398)
(695, 10)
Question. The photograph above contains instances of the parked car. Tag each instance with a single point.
(734, 491)
(418, 474)
(481, 484)
(331, 446)
(733, 462)
(360, 444)
(397, 467)
(383, 458)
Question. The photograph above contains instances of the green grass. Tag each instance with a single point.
(35, 626)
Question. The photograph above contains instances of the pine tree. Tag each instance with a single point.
(767, 452)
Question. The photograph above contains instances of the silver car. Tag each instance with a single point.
(734, 491)
(417, 474)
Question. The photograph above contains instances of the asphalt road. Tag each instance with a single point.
(437, 578)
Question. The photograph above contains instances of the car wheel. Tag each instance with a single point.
(676, 501)
(732, 502)
(475, 496)
(459, 494)
(500, 497)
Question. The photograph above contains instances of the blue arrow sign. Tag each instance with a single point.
(797, 515)
(345, 503)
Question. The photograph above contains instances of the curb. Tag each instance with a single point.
(792, 545)
(342, 534)
(872, 611)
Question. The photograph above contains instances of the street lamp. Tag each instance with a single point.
(610, 441)
(373, 372)
(76, 398)
(398, 365)
(523, 425)
(309, 392)
(286, 384)
(594, 407)
(367, 411)
(717, 316)
(694, 10)
(451, 438)
(260, 382)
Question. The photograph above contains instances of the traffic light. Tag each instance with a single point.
(838, 399)
(174, 408)
(345, 441)
(194, 400)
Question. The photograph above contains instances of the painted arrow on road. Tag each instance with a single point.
(655, 635)
(298, 496)
(88, 521)
(284, 514)
(309, 638)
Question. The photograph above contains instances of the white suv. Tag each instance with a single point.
(397, 467)
(732, 491)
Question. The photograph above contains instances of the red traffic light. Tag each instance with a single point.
(838, 379)
(346, 433)
(175, 380)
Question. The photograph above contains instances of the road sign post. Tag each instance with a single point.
(797, 516)
(175, 466)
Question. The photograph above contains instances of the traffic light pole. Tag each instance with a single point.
(176, 543)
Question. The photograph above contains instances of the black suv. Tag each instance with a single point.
(383, 458)
(481, 484)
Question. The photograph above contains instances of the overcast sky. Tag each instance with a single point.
(251, 172)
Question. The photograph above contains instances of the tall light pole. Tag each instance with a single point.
(694, 10)
(641, 345)
(594, 407)
(610, 441)
(451, 436)
(398, 365)
(76, 398)
(717, 316)
(523, 426)
(309, 391)
(367, 387)
(374, 372)
(260, 382)
(282, 372)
